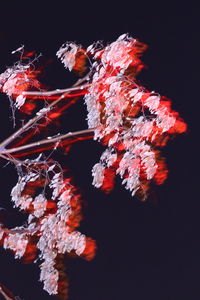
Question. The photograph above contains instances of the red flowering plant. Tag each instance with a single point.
(132, 122)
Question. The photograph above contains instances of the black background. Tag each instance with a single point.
(145, 250)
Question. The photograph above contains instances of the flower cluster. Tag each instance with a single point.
(73, 57)
(128, 118)
(16, 80)
(52, 221)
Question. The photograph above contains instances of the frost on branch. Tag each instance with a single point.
(128, 118)
(53, 205)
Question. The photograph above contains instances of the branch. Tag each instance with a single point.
(49, 146)
(8, 295)
(37, 117)
(47, 141)
(51, 93)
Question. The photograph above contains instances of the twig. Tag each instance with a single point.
(54, 140)
(54, 92)
(8, 295)
(35, 119)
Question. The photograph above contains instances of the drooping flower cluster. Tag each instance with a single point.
(52, 221)
(128, 118)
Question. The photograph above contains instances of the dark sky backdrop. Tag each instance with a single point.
(145, 250)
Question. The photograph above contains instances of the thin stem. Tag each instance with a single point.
(49, 146)
(45, 123)
(13, 160)
(54, 140)
(8, 295)
(36, 118)
(54, 92)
